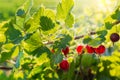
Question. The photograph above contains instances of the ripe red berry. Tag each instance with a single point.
(65, 51)
(100, 50)
(114, 37)
(90, 49)
(79, 49)
(64, 65)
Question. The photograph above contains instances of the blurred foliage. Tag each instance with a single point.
(9, 7)
(25, 38)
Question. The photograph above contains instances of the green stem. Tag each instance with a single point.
(81, 70)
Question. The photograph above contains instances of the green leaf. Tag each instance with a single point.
(108, 25)
(20, 13)
(24, 10)
(63, 42)
(69, 21)
(23, 15)
(102, 32)
(36, 72)
(7, 55)
(102, 38)
(40, 50)
(58, 58)
(33, 39)
(87, 60)
(18, 40)
(2, 37)
(7, 47)
(46, 23)
(28, 35)
(71, 71)
(49, 75)
(27, 7)
(64, 8)
(50, 14)
(11, 33)
(86, 40)
(95, 42)
(20, 55)
(41, 15)
(26, 26)
(116, 15)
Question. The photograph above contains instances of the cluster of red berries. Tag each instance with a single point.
(99, 50)
(64, 65)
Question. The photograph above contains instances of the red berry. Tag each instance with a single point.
(114, 37)
(65, 51)
(79, 49)
(53, 51)
(90, 49)
(64, 65)
(100, 49)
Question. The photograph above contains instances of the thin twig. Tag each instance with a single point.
(116, 22)
(5, 68)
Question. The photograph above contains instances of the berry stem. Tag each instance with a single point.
(81, 70)
(113, 44)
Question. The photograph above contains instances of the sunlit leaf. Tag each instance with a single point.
(69, 21)
(32, 41)
(2, 37)
(64, 8)
(7, 55)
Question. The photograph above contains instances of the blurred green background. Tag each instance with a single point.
(88, 13)
(9, 7)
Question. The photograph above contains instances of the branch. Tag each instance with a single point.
(5, 68)
(116, 22)
(81, 36)
(75, 38)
